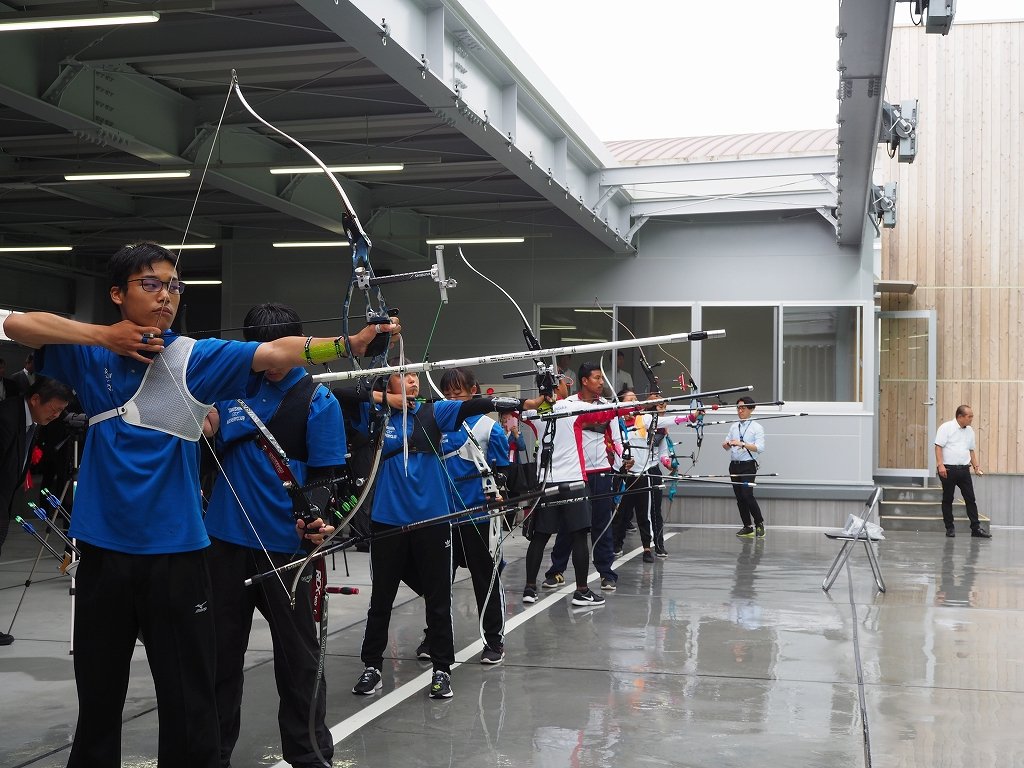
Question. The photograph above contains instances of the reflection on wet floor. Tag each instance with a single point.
(726, 652)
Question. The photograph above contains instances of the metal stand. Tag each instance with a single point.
(848, 539)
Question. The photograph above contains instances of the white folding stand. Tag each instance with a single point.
(849, 537)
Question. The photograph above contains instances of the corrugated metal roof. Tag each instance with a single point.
(732, 147)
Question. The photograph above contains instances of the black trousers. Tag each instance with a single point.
(296, 650)
(601, 507)
(427, 552)
(472, 551)
(657, 519)
(636, 502)
(746, 471)
(167, 598)
(958, 477)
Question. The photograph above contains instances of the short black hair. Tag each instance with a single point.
(134, 257)
(49, 389)
(459, 378)
(962, 409)
(622, 392)
(586, 369)
(269, 321)
(746, 400)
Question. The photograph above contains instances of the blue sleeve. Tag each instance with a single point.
(219, 369)
(325, 430)
(446, 414)
(497, 447)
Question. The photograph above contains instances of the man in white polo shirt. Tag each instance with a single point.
(954, 456)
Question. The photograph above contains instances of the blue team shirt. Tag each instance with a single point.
(138, 488)
(470, 492)
(401, 499)
(263, 498)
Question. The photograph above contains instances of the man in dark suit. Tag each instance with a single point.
(26, 377)
(20, 418)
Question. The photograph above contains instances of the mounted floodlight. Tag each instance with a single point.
(883, 204)
(939, 15)
(899, 129)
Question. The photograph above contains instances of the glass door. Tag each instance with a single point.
(905, 428)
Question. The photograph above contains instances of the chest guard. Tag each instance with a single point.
(157, 404)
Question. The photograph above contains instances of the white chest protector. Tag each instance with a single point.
(163, 402)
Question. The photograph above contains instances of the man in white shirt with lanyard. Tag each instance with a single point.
(954, 457)
(745, 442)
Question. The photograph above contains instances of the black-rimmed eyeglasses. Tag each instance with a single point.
(153, 285)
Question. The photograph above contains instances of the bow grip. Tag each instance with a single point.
(381, 342)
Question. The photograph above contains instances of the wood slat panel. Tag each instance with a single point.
(960, 233)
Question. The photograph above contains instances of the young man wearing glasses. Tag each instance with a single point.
(138, 517)
(745, 443)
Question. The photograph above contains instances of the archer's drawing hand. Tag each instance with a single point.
(130, 340)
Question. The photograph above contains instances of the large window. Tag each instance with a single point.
(821, 354)
(655, 321)
(793, 353)
(747, 354)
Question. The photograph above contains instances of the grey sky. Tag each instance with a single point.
(664, 68)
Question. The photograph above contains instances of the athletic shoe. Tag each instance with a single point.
(609, 585)
(492, 656)
(6, 639)
(617, 552)
(441, 685)
(648, 556)
(587, 597)
(660, 552)
(553, 582)
(368, 683)
(529, 595)
(423, 651)
(980, 533)
(759, 531)
(746, 532)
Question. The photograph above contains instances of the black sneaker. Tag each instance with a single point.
(950, 533)
(368, 683)
(529, 595)
(617, 552)
(423, 651)
(6, 639)
(648, 556)
(660, 552)
(759, 531)
(980, 533)
(587, 597)
(609, 585)
(441, 685)
(553, 582)
(492, 656)
(746, 532)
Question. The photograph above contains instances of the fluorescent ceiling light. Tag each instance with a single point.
(141, 175)
(320, 244)
(580, 339)
(558, 327)
(190, 283)
(475, 240)
(598, 311)
(34, 248)
(78, 20)
(379, 168)
(188, 246)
